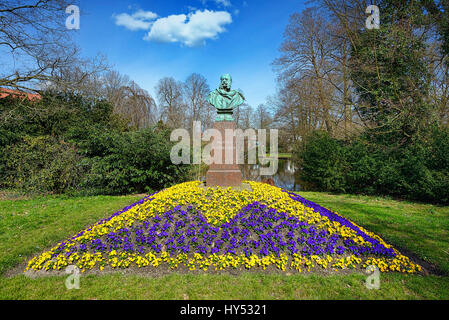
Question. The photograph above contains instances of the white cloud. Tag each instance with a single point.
(145, 15)
(192, 29)
(140, 20)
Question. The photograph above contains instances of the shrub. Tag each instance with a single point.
(42, 165)
(369, 165)
(130, 162)
(322, 162)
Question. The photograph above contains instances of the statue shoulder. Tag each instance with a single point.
(239, 94)
(213, 97)
(214, 93)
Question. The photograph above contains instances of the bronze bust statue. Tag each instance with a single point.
(225, 100)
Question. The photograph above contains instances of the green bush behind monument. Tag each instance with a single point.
(417, 171)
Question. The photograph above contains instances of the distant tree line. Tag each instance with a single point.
(177, 104)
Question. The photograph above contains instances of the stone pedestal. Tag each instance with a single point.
(224, 174)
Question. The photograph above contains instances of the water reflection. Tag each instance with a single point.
(284, 178)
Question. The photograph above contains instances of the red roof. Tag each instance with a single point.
(8, 92)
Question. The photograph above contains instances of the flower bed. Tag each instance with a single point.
(218, 229)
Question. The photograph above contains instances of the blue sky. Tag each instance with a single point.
(149, 40)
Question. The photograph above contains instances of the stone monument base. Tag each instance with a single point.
(222, 174)
(223, 178)
(242, 187)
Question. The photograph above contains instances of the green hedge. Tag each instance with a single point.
(418, 171)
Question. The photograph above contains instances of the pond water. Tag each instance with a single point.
(284, 178)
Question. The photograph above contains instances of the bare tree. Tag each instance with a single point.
(306, 55)
(129, 100)
(439, 83)
(317, 64)
(196, 90)
(93, 80)
(263, 118)
(138, 106)
(170, 99)
(34, 42)
(85, 77)
(244, 116)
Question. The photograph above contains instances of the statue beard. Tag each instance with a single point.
(225, 87)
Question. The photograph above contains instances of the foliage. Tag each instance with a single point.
(322, 162)
(129, 162)
(42, 164)
(33, 35)
(65, 142)
(390, 74)
(56, 114)
(401, 150)
(418, 171)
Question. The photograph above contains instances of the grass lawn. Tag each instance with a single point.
(422, 229)
(29, 226)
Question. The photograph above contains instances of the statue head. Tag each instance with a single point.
(224, 99)
(225, 82)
